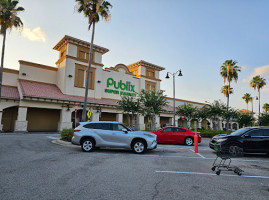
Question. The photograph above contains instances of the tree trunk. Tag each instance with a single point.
(88, 77)
(133, 121)
(129, 121)
(2, 62)
(259, 102)
(153, 122)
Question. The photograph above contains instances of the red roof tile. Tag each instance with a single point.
(9, 92)
(51, 91)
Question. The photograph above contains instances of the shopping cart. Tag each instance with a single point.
(223, 161)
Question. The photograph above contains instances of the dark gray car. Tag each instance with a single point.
(114, 135)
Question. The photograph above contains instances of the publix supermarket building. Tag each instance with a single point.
(38, 97)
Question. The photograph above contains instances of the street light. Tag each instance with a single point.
(252, 98)
(167, 76)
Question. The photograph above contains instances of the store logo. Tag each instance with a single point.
(123, 86)
(127, 87)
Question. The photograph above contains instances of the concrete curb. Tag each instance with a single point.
(63, 143)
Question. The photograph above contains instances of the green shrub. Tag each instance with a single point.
(67, 134)
(212, 133)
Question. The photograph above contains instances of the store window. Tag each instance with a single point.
(150, 85)
(84, 54)
(150, 73)
(81, 74)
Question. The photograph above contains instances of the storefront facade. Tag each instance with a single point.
(42, 98)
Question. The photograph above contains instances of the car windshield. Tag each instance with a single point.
(127, 127)
(240, 131)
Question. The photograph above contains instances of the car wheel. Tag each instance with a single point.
(139, 146)
(189, 141)
(235, 150)
(87, 145)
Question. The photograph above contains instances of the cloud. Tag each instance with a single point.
(37, 34)
(263, 71)
(243, 68)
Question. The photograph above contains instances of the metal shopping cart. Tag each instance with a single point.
(223, 160)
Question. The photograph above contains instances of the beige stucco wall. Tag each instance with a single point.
(38, 74)
(10, 79)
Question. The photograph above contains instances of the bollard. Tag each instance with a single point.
(195, 139)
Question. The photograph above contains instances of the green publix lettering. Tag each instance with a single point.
(123, 86)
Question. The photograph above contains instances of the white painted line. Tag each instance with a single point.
(201, 155)
(53, 138)
(211, 174)
(191, 150)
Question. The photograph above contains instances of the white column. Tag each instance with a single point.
(1, 126)
(176, 122)
(140, 125)
(200, 124)
(170, 121)
(188, 124)
(65, 119)
(21, 122)
(157, 122)
(220, 125)
(95, 116)
(119, 117)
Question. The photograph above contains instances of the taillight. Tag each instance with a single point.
(76, 130)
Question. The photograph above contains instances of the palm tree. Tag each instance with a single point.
(247, 97)
(225, 90)
(258, 82)
(93, 10)
(229, 72)
(266, 107)
(8, 20)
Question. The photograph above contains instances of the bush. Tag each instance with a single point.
(212, 133)
(67, 134)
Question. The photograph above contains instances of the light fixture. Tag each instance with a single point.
(68, 108)
(70, 76)
(167, 76)
(98, 81)
(180, 74)
(24, 74)
(257, 98)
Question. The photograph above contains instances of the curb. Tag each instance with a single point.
(63, 143)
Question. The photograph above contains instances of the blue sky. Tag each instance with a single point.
(196, 36)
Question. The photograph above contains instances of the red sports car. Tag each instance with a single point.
(179, 135)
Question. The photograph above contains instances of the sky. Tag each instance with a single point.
(196, 36)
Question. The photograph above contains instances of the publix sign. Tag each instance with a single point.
(120, 87)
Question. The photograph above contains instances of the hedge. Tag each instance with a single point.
(67, 134)
(212, 133)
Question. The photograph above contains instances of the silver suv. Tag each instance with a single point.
(112, 134)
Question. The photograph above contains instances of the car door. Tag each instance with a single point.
(179, 135)
(120, 138)
(104, 134)
(166, 135)
(253, 141)
(266, 140)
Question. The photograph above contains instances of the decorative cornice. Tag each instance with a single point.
(11, 71)
(77, 59)
(22, 62)
(186, 101)
(148, 77)
(146, 64)
(75, 41)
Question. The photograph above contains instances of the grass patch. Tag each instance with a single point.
(67, 134)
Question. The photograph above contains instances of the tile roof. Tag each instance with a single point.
(10, 92)
(51, 91)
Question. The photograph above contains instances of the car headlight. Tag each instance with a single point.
(221, 140)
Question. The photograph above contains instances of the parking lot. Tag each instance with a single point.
(32, 167)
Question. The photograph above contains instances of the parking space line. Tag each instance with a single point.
(198, 154)
(211, 174)
(53, 138)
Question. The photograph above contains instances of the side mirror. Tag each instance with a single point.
(124, 130)
(247, 136)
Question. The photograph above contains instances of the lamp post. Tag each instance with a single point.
(174, 100)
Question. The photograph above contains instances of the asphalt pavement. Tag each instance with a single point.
(33, 167)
